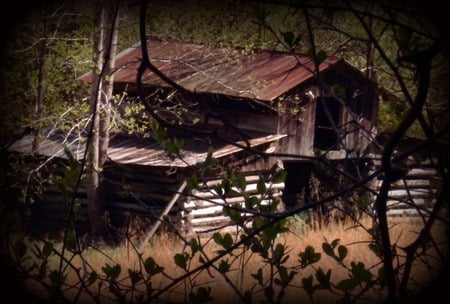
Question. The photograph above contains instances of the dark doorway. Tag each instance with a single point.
(296, 189)
(327, 114)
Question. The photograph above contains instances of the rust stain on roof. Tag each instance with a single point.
(261, 75)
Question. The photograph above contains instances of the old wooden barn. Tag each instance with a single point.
(280, 102)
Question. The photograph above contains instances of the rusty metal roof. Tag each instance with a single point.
(140, 151)
(261, 75)
(152, 154)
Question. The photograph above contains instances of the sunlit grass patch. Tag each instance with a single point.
(131, 265)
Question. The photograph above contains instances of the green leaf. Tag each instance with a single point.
(339, 90)
(323, 278)
(218, 189)
(321, 56)
(347, 284)
(195, 246)
(360, 273)
(179, 143)
(282, 271)
(417, 159)
(284, 259)
(335, 243)
(217, 237)
(57, 279)
(224, 266)
(258, 276)
(181, 260)
(226, 186)
(279, 177)
(235, 213)
(251, 202)
(363, 201)
(277, 281)
(290, 39)
(307, 284)
(112, 271)
(172, 148)
(309, 256)
(209, 160)
(227, 241)
(48, 249)
(192, 182)
(151, 267)
(232, 193)
(241, 182)
(92, 278)
(154, 125)
(203, 295)
(261, 186)
(382, 276)
(270, 234)
(278, 253)
(258, 222)
(135, 276)
(71, 241)
(328, 249)
(342, 251)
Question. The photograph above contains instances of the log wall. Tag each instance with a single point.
(203, 209)
(415, 193)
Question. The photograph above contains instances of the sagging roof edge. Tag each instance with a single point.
(54, 149)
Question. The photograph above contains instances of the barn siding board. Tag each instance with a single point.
(298, 124)
(306, 134)
(248, 121)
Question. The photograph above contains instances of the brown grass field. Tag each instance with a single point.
(163, 248)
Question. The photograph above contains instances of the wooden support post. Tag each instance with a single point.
(165, 212)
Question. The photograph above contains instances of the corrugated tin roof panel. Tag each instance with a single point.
(47, 147)
(262, 75)
(141, 151)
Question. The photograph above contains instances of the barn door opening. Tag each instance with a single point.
(296, 186)
(327, 114)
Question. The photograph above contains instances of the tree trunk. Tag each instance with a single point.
(95, 208)
(105, 113)
(370, 54)
(40, 88)
(105, 45)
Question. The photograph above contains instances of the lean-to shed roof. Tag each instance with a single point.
(141, 151)
(260, 75)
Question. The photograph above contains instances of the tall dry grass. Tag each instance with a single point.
(353, 235)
